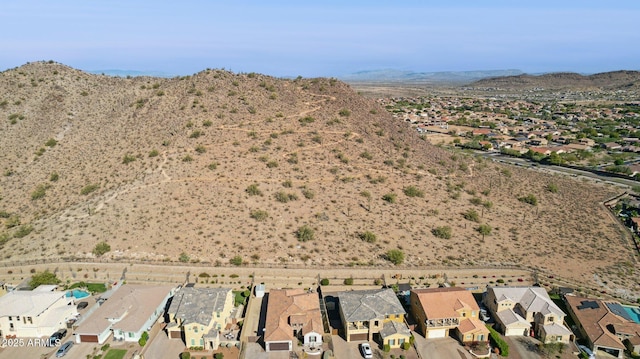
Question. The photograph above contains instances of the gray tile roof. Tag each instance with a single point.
(391, 328)
(197, 305)
(364, 305)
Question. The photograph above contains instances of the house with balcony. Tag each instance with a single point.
(34, 314)
(443, 312)
(514, 307)
(198, 315)
(373, 315)
(293, 315)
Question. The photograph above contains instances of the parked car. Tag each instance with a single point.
(365, 349)
(62, 351)
(56, 337)
(484, 315)
(83, 304)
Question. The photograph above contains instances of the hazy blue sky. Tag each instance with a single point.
(323, 38)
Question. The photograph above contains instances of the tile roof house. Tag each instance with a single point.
(292, 315)
(442, 312)
(367, 312)
(129, 311)
(514, 306)
(34, 313)
(606, 325)
(197, 315)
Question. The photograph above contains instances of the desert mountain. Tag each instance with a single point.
(564, 81)
(297, 172)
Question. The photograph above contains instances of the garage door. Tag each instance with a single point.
(436, 333)
(175, 334)
(361, 336)
(514, 331)
(88, 338)
(278, 346)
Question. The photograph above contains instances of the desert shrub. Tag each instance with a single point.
(54, 176)
(259, 215)
(366, 155)
(236, 260)
(344, 113)
(23, 231)
(306, 120)
(552, 187)
(187, 158)
(443, 232)
(153, 153)
(324, 281)
(51, 142)
(471, 215)
(207, 123)
(284, 197)
(305, 233)
(287, 184)
(253, 190)
(12, 221)
(39, 192)
(413, 191)
(406, 346)
(529, 199)
(184, 257)
(212, 166)
(272, 164)
(348, 281)
(390, 197)
(101, 248)
(185, 355)
(89, 188)
(196, 134)
(201, 149)
(128, 159)
(204, 275)
(484, 229)
(308, 193)
(395, 256)
(367, 236)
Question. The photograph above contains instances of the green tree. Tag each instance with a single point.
(41, 278)
(101, 248)
(484, 229)
(236, 261)
(184, 257)
(325, 281)
(395, 256)
(471, 215)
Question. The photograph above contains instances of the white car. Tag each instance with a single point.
(365, 349)
(484, 315)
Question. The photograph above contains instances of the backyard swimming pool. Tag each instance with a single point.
(634, 312)
(78, 294)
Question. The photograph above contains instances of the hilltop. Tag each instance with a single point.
(219, 167)
(615, 80)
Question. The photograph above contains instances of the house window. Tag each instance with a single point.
(392, 342)
(375, 323)
(131, 335)
(193, 342)
(201, 342)
(481, 337)
(551, 319)
(464, 314)
(400, 341)
(217, 314)
(312, 339)
(195, 329)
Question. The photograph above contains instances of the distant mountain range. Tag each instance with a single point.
(443, 77)
(614, 80)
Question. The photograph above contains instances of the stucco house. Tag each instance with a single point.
(442, 312)
(197, 315)
(292, 315)
(129, 311)
(512, 307)
(365, 313)
(34, 314)
(605, 325)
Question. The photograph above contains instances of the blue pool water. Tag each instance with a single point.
(77, 294)
(634, 313)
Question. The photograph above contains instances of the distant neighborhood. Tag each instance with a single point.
(402, 320)
(593, 135)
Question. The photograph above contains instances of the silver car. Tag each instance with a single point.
(62, 351)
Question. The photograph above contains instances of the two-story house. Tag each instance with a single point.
(373, 315)
(441, 312)
(35, 313)
(523, 310)
(197, 315)
(292, 315)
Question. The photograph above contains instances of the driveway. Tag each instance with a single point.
(440, 348)
(161, 347)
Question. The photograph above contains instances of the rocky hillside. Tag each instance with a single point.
(616, 80)
(228, 168)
